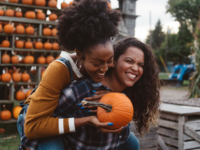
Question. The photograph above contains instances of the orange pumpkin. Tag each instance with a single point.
(18, 13)
(53, 17)
(38, 45)
(47, 45)
(5, 58)
(27, 2)
(30, 30)
(49, 59)
(6, 77)
(15, 59)
(70, 3)
(41, 60)
(52, 3)
(28, 44)
(55, 46)
(5, 114)
(16, 76)
(9, 13)
(19, 44)
(54, 32)
(30, 14)
(2, 131)
(40, 15)
(16, 111)
(8, 28)
(1, 12)
(5, 43)
(0, 28)
(13, 1)
(116, 108)
(40, 2)
(20, 29)
(29, 59)
(42, 73)
(20, 95)
(46, 31)
(25, 77)
(63, 5)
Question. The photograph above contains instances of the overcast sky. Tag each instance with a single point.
(143, 8)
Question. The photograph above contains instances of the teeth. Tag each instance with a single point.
(101, 74)
(131, 75)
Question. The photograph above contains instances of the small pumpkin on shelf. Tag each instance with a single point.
(13, 1)
(25, 76)
(20, 95)
(16, 76)
(53, 17)
(54, 32)
(47, 45)
(30, 14)
(1, 28)
(5, 114)
(38, 44)
(1, 12)
(29, 92)
(18, 12)
(9, 13)
(64, 4)
(19, 44)
(5, 43)
(40, 15)
(40, 2)
(41, 60)
(52, 3)
(29, 30)
(6, 77)
(55, 46)
(8, 28)
(29, 59)
(5, 58)
(29, 44)
(20, 29)
(27, 2)
(49, 59)
(16, 111)
(42, 73)
(46, 31)
(15, 59)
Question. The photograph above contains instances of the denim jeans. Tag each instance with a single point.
(131, 143)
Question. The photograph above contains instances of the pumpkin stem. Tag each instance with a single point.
(4, 107)
(107, 107)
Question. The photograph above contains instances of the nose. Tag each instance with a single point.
(104, 68)
(135, 67)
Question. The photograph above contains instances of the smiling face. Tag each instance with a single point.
(97, 61)
(129, 67)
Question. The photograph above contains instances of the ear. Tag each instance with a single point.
(79, 55)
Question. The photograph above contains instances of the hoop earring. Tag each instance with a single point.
(78, 68)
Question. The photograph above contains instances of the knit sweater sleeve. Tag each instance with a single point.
(42, 103)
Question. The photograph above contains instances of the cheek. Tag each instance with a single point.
(141, 71)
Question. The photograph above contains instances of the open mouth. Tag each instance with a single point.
(131, 76)
(101, 75)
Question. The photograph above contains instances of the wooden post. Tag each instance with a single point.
(181, 121)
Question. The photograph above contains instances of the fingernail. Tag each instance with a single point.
(83, 100)
(82, 107)
(79, 104)
(89, 111)
(128, 125)
(123, 128)
(110, 124)
(94, 91)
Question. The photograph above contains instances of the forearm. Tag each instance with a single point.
(79, 122)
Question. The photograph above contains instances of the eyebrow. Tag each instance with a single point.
(101, 59)
(133, 60)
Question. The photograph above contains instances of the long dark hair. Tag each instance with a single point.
(144, 94)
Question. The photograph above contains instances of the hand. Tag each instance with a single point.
(99, 95)
(103, 126)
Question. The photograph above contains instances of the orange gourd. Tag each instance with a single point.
(1, 12)
(20, 95)
(0, 28)
(63, 5)
(2, 131)
(16, 76)
(46, 31)
(5, 114)
(29, 59)
(20, 29)
(18, 13)
(28, 44)
(41, 60)
(53, 17)
(114, 107)
(40, 15)
(49, 59)
(40, 2)
(27, 2)
(55, 46)
(13, 1)
(29, 92)
(54, 32)
(30, 14)
(19, 44)
(70, 3)
(9, 13)
(6, 77)
(16, 111)
(5, 58)
(8, 28)
(15, 59)
(30, 30)
(42, 73)
(52, 3)
(25, 76)
(38, 45)
(5, 43)
(47, 45)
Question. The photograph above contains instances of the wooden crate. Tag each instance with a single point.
(149, 140)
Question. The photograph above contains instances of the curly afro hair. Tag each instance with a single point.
(144, 94)
(87, 23)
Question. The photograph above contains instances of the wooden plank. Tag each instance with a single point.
(170, 141)
(194, 125)
(147, 136)
(148, 144)
(168, 116)
(152, 148)
(168, 124)
(181, 121)
(161, 144)
(133, 128)
(179, 110)
(172, 148)
(168, 132)
(191, 144)
(189, 131)
(186, 137)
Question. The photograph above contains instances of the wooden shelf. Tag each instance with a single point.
(8, 101)
(25, 65)
(26, 20)
(29, 6)
(9, 121)
(29, 36)
(18, 83)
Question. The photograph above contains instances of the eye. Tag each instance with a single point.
(128, 61)
(141, 65)
(97, 65)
